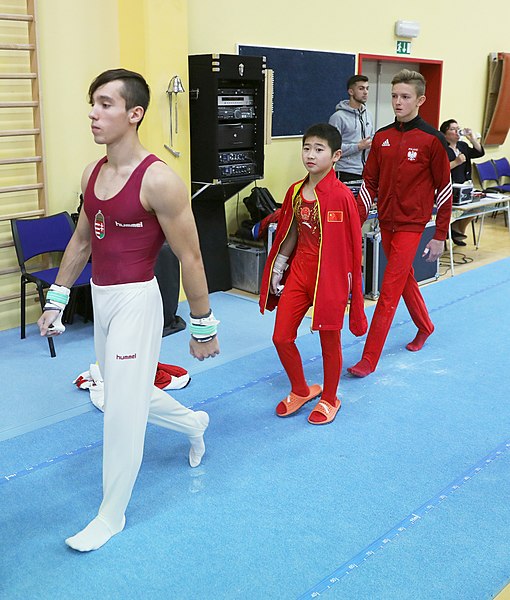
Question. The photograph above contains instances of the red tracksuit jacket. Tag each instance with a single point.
(339, 270)
(407, 171)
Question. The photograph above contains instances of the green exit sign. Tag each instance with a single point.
(403, 47)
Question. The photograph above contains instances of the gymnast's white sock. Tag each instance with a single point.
(197, 450)
(95, 535)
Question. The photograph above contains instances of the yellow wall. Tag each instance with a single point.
(77, 40)
(449, 32)
(154, 41)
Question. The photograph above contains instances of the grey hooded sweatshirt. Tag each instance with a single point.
(354, 124)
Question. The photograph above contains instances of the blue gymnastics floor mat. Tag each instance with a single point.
(404, 495)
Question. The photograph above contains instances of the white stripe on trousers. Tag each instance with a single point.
(128, 323)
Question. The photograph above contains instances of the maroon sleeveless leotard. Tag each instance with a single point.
(126, 239)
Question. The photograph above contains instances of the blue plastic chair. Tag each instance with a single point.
(488, 177)
(503, 172)
(37, 237)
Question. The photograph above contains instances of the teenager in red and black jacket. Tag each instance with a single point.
(407, 172)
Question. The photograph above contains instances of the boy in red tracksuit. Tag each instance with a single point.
(407, 171)
(315, 260)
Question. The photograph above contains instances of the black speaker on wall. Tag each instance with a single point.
(226, 107)
(226, 117)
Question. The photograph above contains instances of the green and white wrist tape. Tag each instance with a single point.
(203, 329)
(57, 297)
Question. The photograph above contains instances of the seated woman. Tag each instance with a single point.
(460, 154)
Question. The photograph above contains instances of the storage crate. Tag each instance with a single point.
(246, 266)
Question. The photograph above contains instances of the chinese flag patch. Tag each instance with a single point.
(335, 216)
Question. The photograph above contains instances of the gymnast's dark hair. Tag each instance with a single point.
(326, 132)
(135, 90)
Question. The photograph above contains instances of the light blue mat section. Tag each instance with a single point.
(37, 391)
(405, 495)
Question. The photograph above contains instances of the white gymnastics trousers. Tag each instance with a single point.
(128, 323)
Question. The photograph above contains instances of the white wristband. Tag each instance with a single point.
(280, 264)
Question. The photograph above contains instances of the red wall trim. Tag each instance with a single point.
(396, 58)
(431, 69)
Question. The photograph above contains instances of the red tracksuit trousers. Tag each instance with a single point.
(398, 281)
(297, 298)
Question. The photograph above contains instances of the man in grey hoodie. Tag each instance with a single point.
(356, 125)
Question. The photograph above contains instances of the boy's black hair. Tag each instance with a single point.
(445, 125)
(326, 132)
(354, 79)
(135, 89)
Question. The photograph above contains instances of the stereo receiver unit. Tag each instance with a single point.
(237, 170)
(235, 97)
(242, 156)
(226, 113)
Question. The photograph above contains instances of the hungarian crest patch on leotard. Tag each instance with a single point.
(99, 225)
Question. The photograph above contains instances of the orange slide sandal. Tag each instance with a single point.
(293, 402)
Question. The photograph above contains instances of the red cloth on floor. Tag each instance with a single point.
(170, 377)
